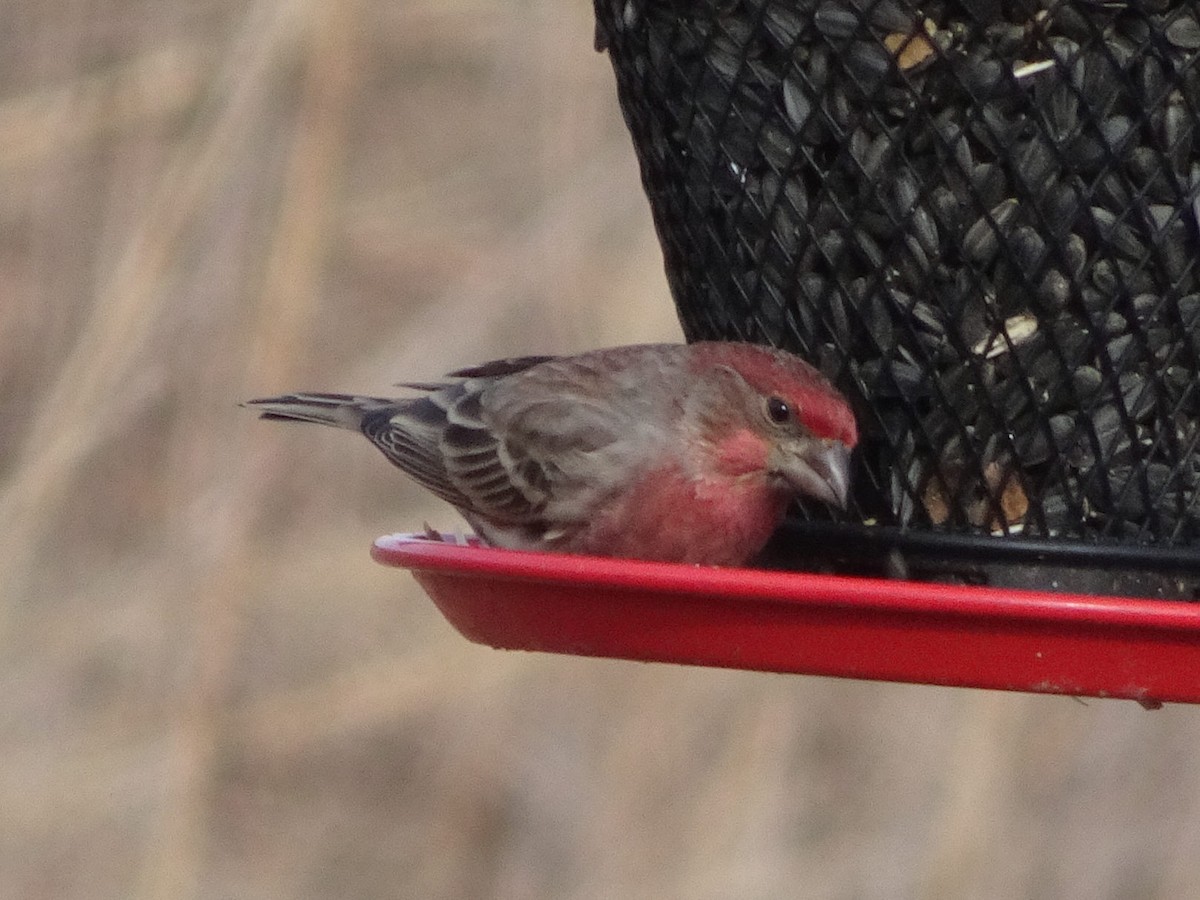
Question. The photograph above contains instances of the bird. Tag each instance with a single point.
(684, 453)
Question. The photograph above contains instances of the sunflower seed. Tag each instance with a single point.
(926, 231)
(1117, 131)
(1063, 430)
(1108, 428)
(1177, 132)
(1028, 249)
(1184, 32)
(1116, 232)
(1054, 290)
(1104, 277)
(796, 103)
(982, 240)
(1061, 205)
(725, 58)
(982, 76)
(869, 248)
(947, 210)
(1013, 333)
(1152, 80)
(869, 63)
(1147, 174)
(1023, 70)
(1075, 251)
(1124, 351)
(1114, 324)
(1035, 163)
(907, 379)
(776, 147)
(889, 15)
(1062, 111)
(1113, 192)
(838, 109)
(835, 20)
(1137, 395)
(1086, 382)
(1073, 23)
(1189, 311)
(1074, 340)
(783, 23)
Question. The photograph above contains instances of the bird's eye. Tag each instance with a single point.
(778, 410)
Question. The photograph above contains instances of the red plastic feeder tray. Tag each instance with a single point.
(1144, 650)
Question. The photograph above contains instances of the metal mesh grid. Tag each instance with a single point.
(978, 217)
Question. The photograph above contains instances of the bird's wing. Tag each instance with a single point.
(410, 434)
(505, 461)
(544, 444)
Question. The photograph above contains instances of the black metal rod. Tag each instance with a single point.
(984, 548)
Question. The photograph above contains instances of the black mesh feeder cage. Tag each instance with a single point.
(980, 219)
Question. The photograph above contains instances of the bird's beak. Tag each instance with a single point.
(820, 470)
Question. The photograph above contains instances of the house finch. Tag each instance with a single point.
(682, 453)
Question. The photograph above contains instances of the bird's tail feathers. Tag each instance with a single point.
(338, 410)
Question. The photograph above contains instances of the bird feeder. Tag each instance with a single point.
(980, 219)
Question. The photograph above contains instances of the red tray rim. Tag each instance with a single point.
(669, 579)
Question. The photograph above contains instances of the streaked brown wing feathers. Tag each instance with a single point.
(483, 469)
(507, 447)
(443, 443)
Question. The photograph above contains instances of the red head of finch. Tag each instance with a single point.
(682, 453)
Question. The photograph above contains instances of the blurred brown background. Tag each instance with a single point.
(208, 690)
